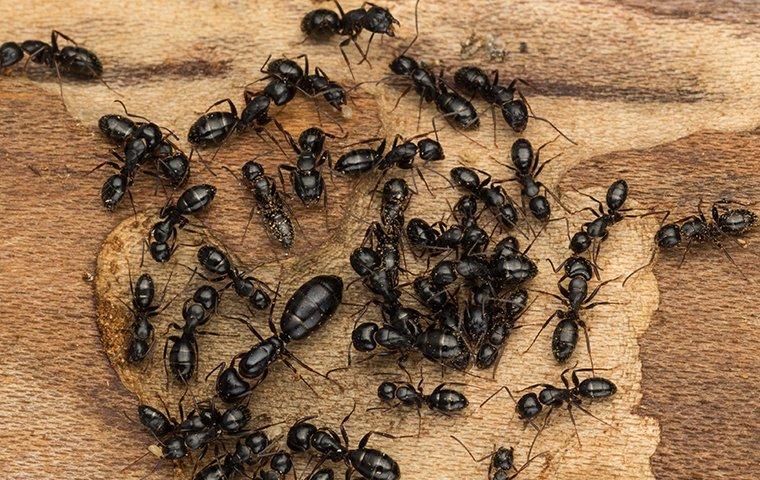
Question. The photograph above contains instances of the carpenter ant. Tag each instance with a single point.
(502, 323)
(214, 128)
(441, 399)
(527, 169)
(727, 224)
(251, 288)
(318, 83)
(590, 389)
(308, 183)
(145, 139)
(596, 231)
(117, 185)
(575, 298)
(143, 310)
(396, 196)
(492, 195)
(516, 112)
(173, 217)
(306, 311)
(502, 461)
(322, 23)
(270, 204)
(401, 155)
(431, 88)
(70, 61)
(370, 463)
(247, 452)
(196, 312)
(396, 336)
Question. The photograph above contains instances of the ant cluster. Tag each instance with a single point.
(457, 312)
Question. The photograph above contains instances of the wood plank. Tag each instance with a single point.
(665, 96)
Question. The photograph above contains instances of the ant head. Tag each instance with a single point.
(466, 207)
(386, 391)
(363, 337)
(379, 20)
(503, 458)
(515, 113)
(395, 190)
(252, 170)
(312, 139)
(364, 260)
(403, 65)
(257, 442)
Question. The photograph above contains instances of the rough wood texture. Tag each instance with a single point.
(665, 96)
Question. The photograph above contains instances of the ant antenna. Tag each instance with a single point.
(416, 28)
(554, 127)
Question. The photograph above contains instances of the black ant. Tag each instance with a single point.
(143, 310)
(491, 194)
(250, 288)
(70, 61)
(308, 183)
(173, 217)
(145, 139)
(307, 310)
(597, 230)
(575, 298)
(431, 88)
(516, 112)
(270, 204)
(118, 185)
(370, 463)
(196, 312)
(441, 399)
(323, 23)
(214, 128)
(502, 462)
(527, 169)
(401, 155)
(530, 405)
(728, 224)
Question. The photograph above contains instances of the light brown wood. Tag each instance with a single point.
(626, 80)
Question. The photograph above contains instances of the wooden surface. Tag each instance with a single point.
(667, 97)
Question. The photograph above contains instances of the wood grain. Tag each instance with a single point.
(627, 80)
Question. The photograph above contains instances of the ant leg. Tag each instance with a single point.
(366, 50)
(503, 387)
(559, 267)
(493, 116)
(730, 259)
(554, 127)
(542, 329)
(598, 287)
(103, 164)
(476, 460)
(588, 342)
(686, 250)
(538, 432)
(342, 45)
(585, 410)
(403, 94)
